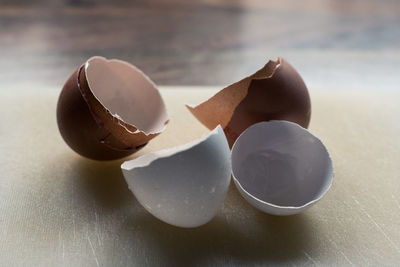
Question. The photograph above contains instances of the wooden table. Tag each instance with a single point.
(334, 44)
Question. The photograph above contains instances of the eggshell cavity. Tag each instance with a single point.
(135, 99)
(109, 109)
(281, 168)
(275, 92)
(186, 185)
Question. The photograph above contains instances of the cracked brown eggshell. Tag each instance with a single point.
(275, 92)
(109, 109)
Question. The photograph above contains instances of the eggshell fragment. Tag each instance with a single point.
(185, 185)
(281, 168)
(275, 92)
(109, 109)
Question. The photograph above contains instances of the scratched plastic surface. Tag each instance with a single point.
(59, 209)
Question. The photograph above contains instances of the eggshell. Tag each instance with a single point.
(275, 92)
(109, 109)
(186, 185)
(281, 168)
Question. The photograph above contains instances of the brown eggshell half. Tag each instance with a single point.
(275, 92)
(109, 109)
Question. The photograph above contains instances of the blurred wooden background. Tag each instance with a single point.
(333, 43)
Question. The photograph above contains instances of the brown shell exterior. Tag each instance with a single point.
(283, 96)
(275, 92)
(89, 128)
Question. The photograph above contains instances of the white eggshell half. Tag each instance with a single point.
(281, 168)
(186, 185)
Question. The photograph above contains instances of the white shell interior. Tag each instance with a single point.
(184, 186)
(280, 167)
(127, 93)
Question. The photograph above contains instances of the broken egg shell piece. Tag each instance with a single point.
(275, 92)
(281, 168)
(109, 109)
(186, 185)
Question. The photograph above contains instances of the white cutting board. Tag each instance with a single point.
(59, 209)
